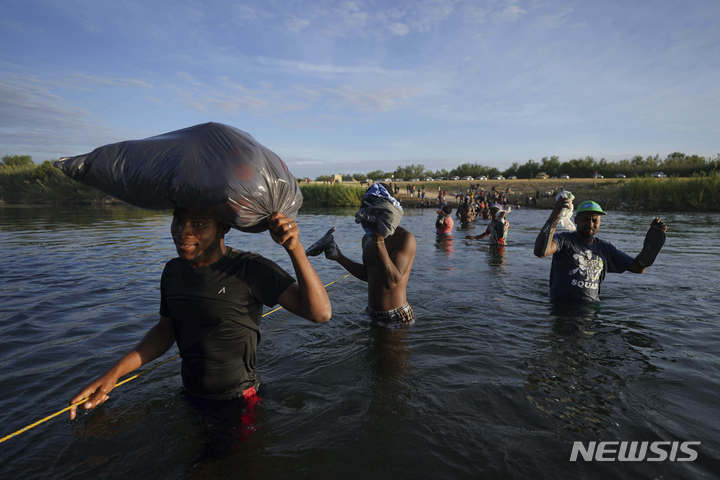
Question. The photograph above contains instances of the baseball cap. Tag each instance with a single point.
(591, 207)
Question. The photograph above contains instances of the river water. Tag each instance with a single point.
(491, 382)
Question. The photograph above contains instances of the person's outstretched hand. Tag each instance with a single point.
(97, 392)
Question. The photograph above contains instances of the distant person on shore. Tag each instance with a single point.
(497, 229)
(388, 253)
(580, 260)
(211, 300)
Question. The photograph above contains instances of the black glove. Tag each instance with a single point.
(654, 241)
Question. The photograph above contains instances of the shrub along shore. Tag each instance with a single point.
(45, 184)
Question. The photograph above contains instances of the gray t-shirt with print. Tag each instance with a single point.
(578, 269)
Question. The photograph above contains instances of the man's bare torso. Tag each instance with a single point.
(384, 291)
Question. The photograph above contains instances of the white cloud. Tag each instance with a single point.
(108, 81)
(242, 13)
(399, 29)
(190, 79)
(351, 15)
(302, 162)
(208, 98)
(425, 14)
(512, 12)
(556, 19)
(382, 100)
(295, 66)
(295, 24)
(37, 122)
(475, 13)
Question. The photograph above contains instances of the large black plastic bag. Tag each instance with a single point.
(208, 165)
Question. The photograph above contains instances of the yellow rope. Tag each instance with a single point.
(60, 412)
(126, 380)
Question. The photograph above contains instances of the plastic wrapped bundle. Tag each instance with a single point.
(208, 165)
(379, 211)
(566, 213)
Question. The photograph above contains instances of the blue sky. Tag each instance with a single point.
(353, 86)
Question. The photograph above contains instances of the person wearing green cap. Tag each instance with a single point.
(580, 260)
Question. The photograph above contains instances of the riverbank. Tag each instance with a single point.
(45, 184)
(669, 194)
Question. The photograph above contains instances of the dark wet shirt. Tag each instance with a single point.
(578, 269)
(215, 313)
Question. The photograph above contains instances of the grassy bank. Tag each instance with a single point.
(685, 194)
(325, 195)
(43, 184)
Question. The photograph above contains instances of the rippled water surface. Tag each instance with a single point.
(490, 382)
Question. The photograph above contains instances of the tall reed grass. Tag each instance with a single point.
(680, 194)
(315, 195)
(43, 184)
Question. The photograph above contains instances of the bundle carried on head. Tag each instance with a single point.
(207, 165)
(379, 211)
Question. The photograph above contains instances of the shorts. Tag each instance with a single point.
(228, 421)
(396, 318)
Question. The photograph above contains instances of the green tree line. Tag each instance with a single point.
(676, 164)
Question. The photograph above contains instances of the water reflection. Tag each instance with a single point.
(389, 360)
(573, 319)
(579, 369)
(444, 243)
(16, 218)
(388, 354)
(496, 256)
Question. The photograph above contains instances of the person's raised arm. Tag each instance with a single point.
(395, 268)
(308, 297)
(544, 243)
(354, 268)
(654, 241)
(156, 342)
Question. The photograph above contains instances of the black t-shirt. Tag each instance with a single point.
(578, 269)
(215, 313)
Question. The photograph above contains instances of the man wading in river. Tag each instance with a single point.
(580, 260)
(211, 304)
(387, 258)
